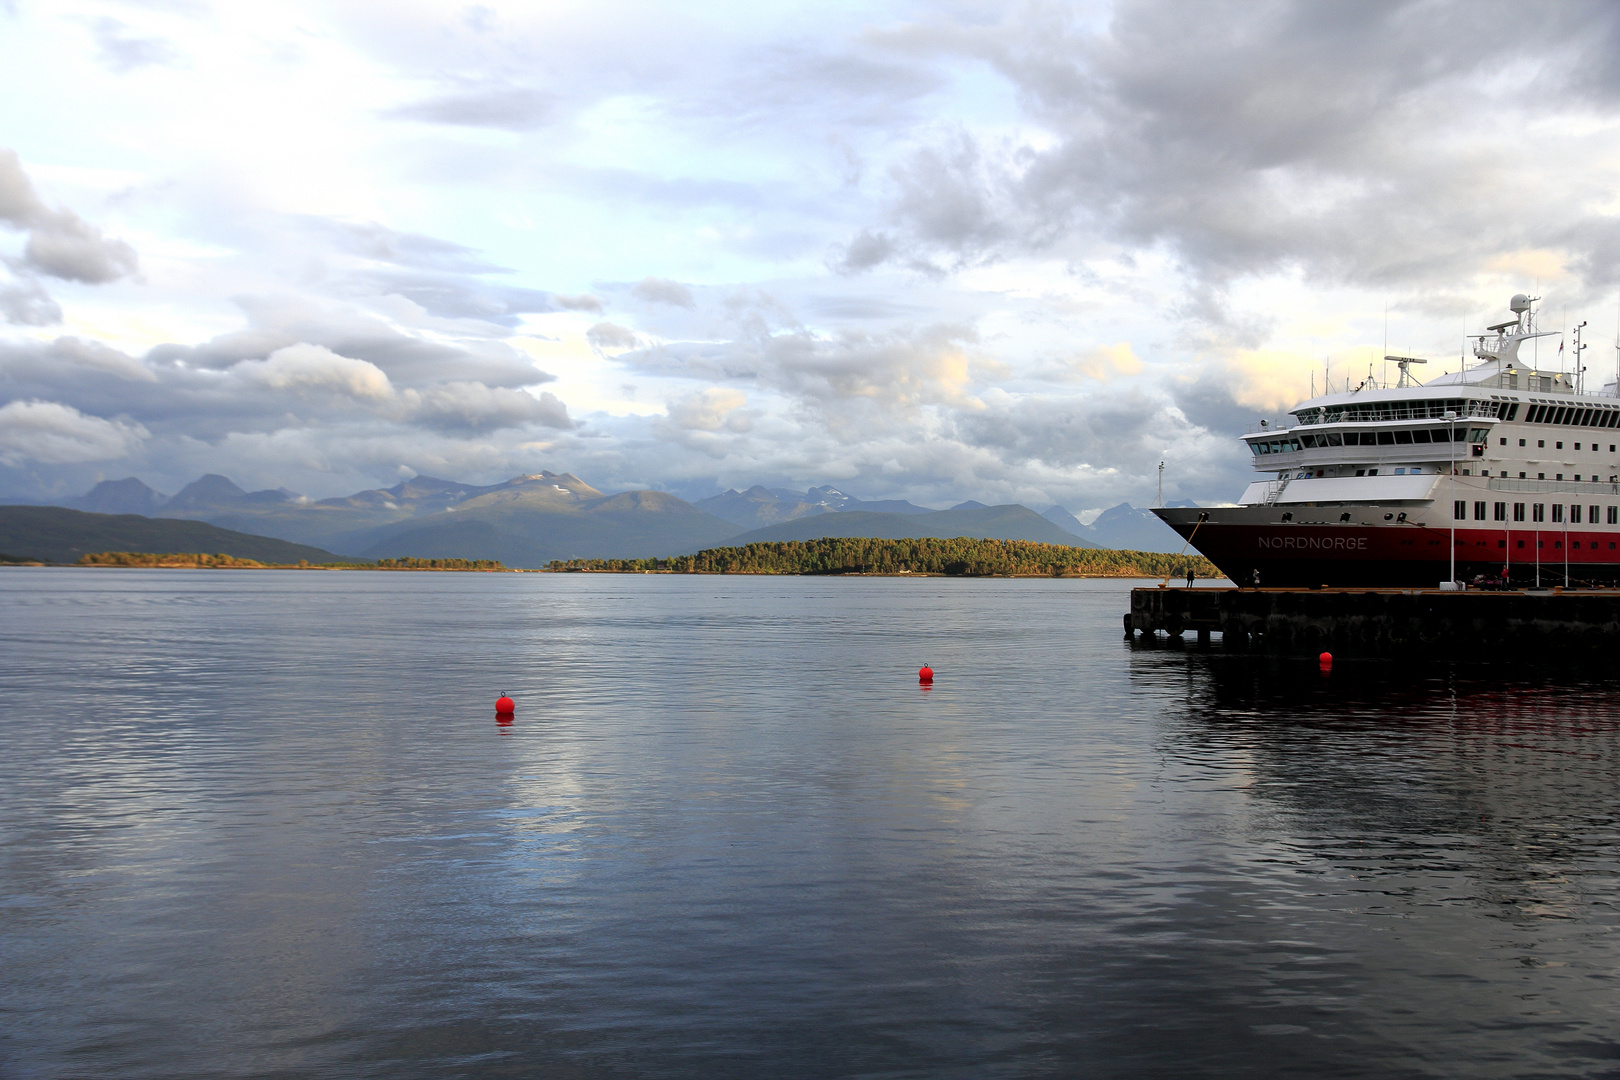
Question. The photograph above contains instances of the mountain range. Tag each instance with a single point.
(59, 535)
(530, 520)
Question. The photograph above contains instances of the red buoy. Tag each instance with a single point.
(925, 674)
(1326, 660)
(504, 706)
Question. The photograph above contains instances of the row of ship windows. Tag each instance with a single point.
(1421, 436)
(1572, 416)
(1372, 411)
(1603, 416)
(1538, 512)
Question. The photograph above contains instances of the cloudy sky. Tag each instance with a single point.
(1002, 251)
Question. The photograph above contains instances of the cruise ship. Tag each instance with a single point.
(1498, 475)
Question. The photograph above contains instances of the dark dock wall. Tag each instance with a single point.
(1365, 622)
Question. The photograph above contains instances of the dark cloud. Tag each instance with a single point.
(867, 250)
(122, 51)
(25, 302)
(414, 250)
(60, 243)
(509, 108)
(1366, 143)
(606, 335)
(659, 291)
(462, 297)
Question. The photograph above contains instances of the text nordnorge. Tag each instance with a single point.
(1319, 543)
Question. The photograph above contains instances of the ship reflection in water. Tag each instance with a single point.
(1458, 830)
(728, 835)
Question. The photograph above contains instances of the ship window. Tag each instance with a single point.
(1499, 512)
(1521, 442)
(1541, 443)
(1538, 512)
(1404, 438)
(1592, 515)
(1504, 442)
(1558, 512)
(1335, 439)
(1577, 446)
(1479, 511)
(1361, 472)
(1518, 511)
(1439, 435)
(1558, 446)
(1309, 441)
(1614, 515)
(1400, 472)
(1420, 436)
(1459, 510)
(1386, 438)
(1521, 543)
(1372, 472)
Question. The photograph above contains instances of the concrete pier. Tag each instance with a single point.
(1368, 622)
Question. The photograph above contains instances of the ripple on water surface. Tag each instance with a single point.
(265, 824)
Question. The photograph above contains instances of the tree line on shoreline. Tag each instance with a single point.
(957, 557)
(188, 560)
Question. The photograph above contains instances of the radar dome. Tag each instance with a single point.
(1519, 304)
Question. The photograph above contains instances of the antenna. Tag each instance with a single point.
(1402, 363)
(1580, 368)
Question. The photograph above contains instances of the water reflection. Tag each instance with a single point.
(1450, 830)
(287, 846)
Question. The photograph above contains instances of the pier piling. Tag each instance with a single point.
(1369, 622)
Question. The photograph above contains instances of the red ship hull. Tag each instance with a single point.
(1406, 555)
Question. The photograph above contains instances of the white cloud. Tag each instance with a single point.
(313, 367)
(51, 433)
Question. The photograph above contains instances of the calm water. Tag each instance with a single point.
(264, 824)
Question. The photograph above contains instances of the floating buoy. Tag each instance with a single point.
(1326, 660)
(925, 674)
(504, 706)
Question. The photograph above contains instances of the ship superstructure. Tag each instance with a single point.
(1510, 472)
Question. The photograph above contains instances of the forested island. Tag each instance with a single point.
(962, 557)
(189, 561)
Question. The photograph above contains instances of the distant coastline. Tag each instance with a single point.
(827, 557)
(922, 557)
(191, 561)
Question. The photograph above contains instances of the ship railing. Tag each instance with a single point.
(1274, 490)
(1552, 487)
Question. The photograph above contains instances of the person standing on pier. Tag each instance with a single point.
(1190, 576)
